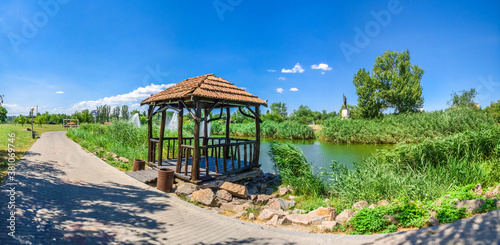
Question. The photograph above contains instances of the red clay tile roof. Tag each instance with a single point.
(206, 86)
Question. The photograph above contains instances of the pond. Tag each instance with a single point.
(321, 154)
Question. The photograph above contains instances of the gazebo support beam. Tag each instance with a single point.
(150, 134)
(179, 140)
(162, 133)
(195, 166)
(228, 120)
(257, 135)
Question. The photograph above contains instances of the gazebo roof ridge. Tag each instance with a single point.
(206, 86)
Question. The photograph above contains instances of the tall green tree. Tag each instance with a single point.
(393, 83)
(116, 112)
(303, 115)
(3, 114)
(280, 109)
(464, 98)
(22, 120)
(125, 113)
(370, 93)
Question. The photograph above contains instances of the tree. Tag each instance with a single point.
(116, 112)
(280, 109)
(125, 113)
(3, 114)
(22, 120)
(393, 83)
(494, 110)
(464, 99)
(303, 115)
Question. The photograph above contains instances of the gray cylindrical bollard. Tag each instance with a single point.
(165, 179)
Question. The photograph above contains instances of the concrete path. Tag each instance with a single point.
(64, 195)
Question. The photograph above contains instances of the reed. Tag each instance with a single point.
(409, 128)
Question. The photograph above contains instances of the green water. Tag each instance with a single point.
(321, 154)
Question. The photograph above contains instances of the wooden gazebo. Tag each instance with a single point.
(218, 156)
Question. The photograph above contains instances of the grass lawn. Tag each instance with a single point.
(22, 142)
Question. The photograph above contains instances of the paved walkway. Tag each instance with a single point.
(65, 195)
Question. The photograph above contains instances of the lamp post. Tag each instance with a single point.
(32, 132)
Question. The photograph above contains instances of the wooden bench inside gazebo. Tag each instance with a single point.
(202, 158)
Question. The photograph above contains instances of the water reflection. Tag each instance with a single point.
(321, 154)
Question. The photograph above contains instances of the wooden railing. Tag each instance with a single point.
(235, 155)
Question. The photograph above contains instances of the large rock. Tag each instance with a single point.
(268, 213)
(360, 205)
(433, 220)
(262, 198)
(328, 213)
(471, 205)
(124, 160)
(235, 207)
(205, 197)
(345, 216)
(372, 206)
(185, 189)
(305, 219)
(251, 216)
(478, 190)
(224, 195)
(496, 190)
(327, 225)
(280, 203)
(282, 190)
(383, 203)
(235, 189)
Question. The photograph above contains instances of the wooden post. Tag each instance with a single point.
(162, 133)
(257, 135)
(228, 120)
(179, 140)
(150, 134)
(205, 139)
(195, 166)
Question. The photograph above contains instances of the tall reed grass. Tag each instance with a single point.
(410, 128)
(422, 171)
(122, 138)
(269, 129)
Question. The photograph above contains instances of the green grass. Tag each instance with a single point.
(121, 138)
(23, 141)
(409, 128)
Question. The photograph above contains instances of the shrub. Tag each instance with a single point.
(294, 170)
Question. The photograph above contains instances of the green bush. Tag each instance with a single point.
(370, 220)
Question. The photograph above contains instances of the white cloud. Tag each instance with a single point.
(59, 92)
(132, 99)
(321, 66)
(271, 70)
(122, 99)
(281, 78)
(294, 89)
(295, 69)
(279, 90)
(14, 109)
(322, 73)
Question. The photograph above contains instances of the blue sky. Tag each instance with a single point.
(71, 55)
